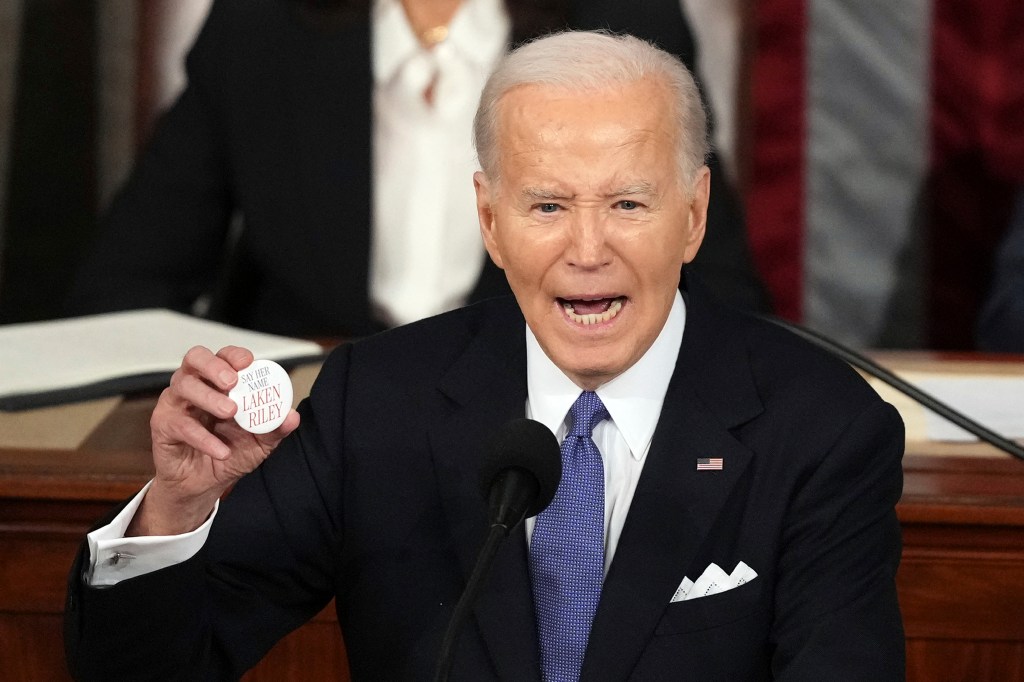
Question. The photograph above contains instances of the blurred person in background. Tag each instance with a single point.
(311, 178)
(1001, 320)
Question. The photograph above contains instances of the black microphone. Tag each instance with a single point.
(520, 474)
(927, 400)
(518, 477)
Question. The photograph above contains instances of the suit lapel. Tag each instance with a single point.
(675, 506)
(487, 387)
(673, 510)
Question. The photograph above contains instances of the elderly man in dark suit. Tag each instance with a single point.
(726, 509)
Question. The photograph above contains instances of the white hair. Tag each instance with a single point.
(594, 60)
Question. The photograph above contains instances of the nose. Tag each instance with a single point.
(588, 243)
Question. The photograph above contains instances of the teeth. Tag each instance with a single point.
(593, 318)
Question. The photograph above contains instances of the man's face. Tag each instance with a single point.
(590, 220)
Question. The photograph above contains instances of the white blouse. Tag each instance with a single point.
(426, 252)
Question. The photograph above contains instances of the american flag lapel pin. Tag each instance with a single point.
(709, 463)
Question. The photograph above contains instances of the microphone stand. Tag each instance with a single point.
(518, 478)
(932, 403)
(462, 608)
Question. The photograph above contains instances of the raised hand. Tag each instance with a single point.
(199, 451)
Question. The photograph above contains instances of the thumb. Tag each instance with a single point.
(269, 441)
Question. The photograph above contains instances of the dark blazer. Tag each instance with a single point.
(375, 501)
(274, 129)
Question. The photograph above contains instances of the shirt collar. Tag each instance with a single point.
(634, 398)
(479, 34)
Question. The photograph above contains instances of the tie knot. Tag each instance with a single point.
(587, 412)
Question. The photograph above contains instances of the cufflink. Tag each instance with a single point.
(118, 557)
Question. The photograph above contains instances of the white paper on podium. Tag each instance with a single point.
(57, 361)
(995, 402)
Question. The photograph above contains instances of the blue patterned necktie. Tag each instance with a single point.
(567, 549)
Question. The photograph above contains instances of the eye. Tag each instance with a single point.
(628, 205)
(547, 208)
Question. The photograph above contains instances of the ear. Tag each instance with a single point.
(485, 197)
(697, 216)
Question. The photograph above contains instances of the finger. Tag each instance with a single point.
(269, 441)
(174, 428)
(236, 356)
(291, 422)
(189, 389)
(213, 368)
(202, 440)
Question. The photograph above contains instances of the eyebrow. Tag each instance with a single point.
(537, 194)
(639, 188)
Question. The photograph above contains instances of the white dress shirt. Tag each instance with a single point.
(113, 557)
(633, 399)
(426, 253)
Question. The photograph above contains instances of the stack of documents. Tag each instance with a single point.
(47, 363)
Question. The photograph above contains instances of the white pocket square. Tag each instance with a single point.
(712, 581)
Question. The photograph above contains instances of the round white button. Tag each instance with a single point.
(263, 395)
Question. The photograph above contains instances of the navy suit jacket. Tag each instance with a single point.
(375, 502)
(275, 128)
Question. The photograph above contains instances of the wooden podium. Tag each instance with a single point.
(961, 583)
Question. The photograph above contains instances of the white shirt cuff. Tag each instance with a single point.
(114, 558)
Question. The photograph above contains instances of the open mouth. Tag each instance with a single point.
(591, 311)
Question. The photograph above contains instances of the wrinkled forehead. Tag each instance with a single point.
(547, 120)
(646, 98)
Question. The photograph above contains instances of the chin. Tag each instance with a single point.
(591, 376)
